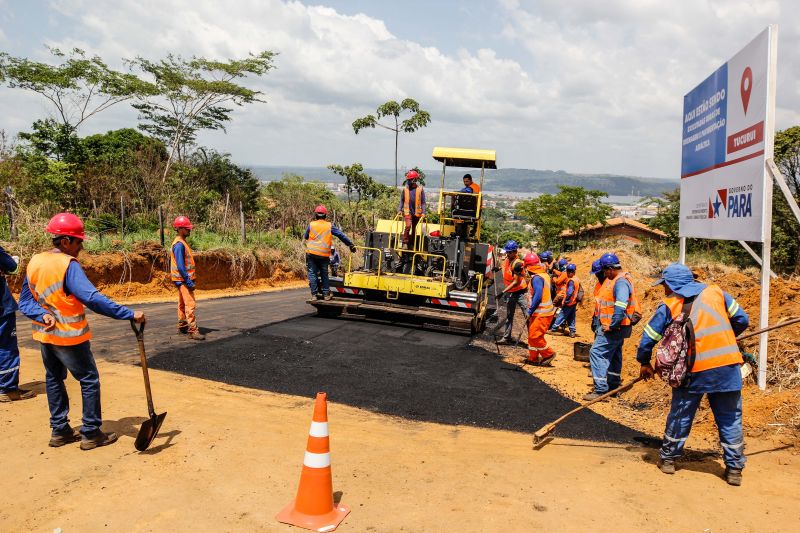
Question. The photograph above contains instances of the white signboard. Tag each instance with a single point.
(727, 126)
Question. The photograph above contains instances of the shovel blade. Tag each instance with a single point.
(148, 431)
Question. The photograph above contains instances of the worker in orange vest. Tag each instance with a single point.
(53, 295)
(9, 349)
(183, 275)
(597, 271)
(568, 294)
(319, 242)
(469, 185)
(515, 284)
(717, 320)
(540, 313)
(618, 311)
(412, 207)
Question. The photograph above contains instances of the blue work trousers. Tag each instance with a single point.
(727, 409)
(318, 271)
(605, 357)
(567, 316)
(513, 300)
(79, 361)
(9, 354)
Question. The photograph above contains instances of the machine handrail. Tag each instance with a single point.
(380, 262)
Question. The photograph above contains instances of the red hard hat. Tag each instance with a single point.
(66, 225)
(531, 259)
(321, 210)
(412, 175)
(182, 222)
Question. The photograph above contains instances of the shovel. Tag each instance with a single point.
(150, 427)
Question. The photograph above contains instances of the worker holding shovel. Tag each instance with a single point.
(53, 295)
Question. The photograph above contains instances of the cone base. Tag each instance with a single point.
(322, 523)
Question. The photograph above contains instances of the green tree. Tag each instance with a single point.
(359, 187)
(392, 110)
(668, 214)
(54, 140)
(193, 95)
(218, 173)
(289, 203)
(572, 208)
(79, 87)
(787, 156)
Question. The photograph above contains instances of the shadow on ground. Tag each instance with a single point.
(405, 372)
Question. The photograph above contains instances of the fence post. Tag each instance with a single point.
(122, 217)
(225, 213)
(241, 222)
(161, 224)
(12, 226)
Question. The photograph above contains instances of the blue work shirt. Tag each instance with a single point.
(570, 290)
(8, 266)
(77, 284)
(537, 282)
(622, 297)
(412, 200)
(721, 379)
(336, 232)
(179, 251)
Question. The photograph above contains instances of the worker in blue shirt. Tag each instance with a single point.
(53, 295)
(9, 351)
(570, 301)
(183, 275)
(717, 320)
(336, 260)
(319, 241)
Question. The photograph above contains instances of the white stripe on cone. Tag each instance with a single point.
(317, 460)
(318, 429)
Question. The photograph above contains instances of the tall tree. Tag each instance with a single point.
(193, 95)
(392, 110)
(79, 87)
(787, 156)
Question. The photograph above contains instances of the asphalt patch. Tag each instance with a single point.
(399, 371)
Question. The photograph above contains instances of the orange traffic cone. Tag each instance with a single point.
(313, 507)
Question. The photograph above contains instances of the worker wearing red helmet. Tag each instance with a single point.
(53, 295)
(319, 241)
(183, 275)
(540, 313)
(412, 206)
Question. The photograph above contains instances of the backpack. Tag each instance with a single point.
(579, 297)
(675, 354)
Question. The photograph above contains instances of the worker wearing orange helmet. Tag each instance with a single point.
(540, 312)
(319, 243)
(183, 275)
(412, 206)
(53, 295)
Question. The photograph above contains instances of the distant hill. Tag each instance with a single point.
(504, 179)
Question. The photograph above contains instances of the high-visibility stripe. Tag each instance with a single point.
(64, 334)
(620, 304)
(612, 373)
(650, 332)
(732, 446)
(317, 460)
(318, 429)
(733, 308)
(52, 288)
(672, 439)
(9, 370)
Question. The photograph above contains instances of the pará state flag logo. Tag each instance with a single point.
(718, 204)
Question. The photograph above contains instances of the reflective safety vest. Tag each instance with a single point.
(545, 307)
(46, 273)
(714, 339)
(606, 302)
(576, 286)
(417, 201)
(509, 276)
(475, 188)
(560, 283)
(597, 287)
(319, 238)
(188, 261)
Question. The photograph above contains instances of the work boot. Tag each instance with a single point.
(183, 327)
(16, 395)
(667, 466)
(547, 361)
(592, 396)
(61, 438)
(98, 439)
(196, 336)
(327, 296)
(733, 476)
(317, 296)
(572, 334)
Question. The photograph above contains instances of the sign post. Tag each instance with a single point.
(728, 140)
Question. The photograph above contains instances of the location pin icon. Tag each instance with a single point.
(746, 86)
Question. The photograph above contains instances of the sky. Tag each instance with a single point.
(576, 85)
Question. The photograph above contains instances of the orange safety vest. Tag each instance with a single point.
(319, 238)
(475, 188)
(560, 283)
(509, 276)
(46, 272)
(714, 339)
(606, 303)
(188, 261)
(576, 287)
(417, 201)
(546, 307)
(597, 287)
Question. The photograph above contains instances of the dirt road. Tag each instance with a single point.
(428, 433)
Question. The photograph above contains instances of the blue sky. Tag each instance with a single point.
(578, 85)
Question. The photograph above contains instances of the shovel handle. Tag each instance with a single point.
(139, 331)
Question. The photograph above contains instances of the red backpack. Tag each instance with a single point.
(675, 354)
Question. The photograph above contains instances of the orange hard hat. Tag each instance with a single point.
(66, 225)
(182, 222)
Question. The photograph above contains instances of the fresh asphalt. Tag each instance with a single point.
(273, 341)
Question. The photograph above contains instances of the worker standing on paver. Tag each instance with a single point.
(540, 313)
(516, 284)
(183, 275)
(336, 260)
(571, 289)
(9, 350)
(53, 295)
(618, 310)
(412, 207)
(716, 319)
(319, 241)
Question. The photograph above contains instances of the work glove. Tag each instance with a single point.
(750, 358)
(353, 248)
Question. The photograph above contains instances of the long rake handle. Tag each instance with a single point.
(769, 328)
(143, 357)
(598, 399)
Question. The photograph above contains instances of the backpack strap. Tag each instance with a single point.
(688, 329)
